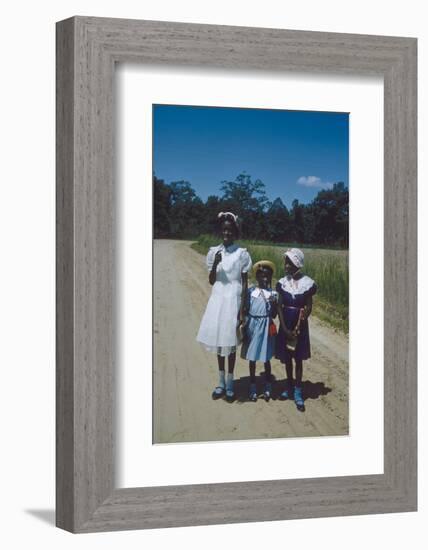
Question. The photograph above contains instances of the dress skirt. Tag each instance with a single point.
(303, 347)
(217, 331)
(258, 345)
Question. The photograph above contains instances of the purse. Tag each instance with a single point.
(272, 328)
(291, 342)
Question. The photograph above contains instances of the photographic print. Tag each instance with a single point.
(250, 273)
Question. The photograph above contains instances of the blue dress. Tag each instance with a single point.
(293, 294)
(258, 345)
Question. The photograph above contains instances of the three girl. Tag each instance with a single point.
(233, 307)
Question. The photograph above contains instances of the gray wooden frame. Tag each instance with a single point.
(87, 50)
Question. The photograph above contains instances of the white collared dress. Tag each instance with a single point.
(217, 331)
(258, 345)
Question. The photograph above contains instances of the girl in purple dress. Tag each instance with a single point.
(295, 292)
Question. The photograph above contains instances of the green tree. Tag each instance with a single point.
(213, 206)
(277, 222)
(247, 199)
(179, 212)
(297, 232)
(181, 192)
(187, 210)
(161, 208)
(331, 211)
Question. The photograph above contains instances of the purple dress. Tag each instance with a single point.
(293, 294)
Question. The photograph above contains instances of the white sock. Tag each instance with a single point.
(221, 382)
(229, 381)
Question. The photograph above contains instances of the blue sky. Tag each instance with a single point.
(295, 153)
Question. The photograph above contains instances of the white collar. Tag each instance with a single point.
(229, 249)
(296, 286)
(256, 292)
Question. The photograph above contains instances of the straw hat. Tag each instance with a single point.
(264, 263)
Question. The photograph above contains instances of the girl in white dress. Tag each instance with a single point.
(228, 266)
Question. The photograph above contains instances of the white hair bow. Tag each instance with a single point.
(231, 214)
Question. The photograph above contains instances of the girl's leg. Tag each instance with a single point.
(253, 388)
(298, 395)
(268, 381)
(221, 376)
(220, 389)
(230, 394)
(287, 393)
(230, 363)
(220, 361)
(252, 372)
(299, 372)
(289, 371)
(268, 371)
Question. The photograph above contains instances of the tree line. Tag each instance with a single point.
(180, 213)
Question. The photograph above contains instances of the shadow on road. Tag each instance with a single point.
(311, 390)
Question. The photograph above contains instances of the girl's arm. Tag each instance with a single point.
(307, 309)
(273, 305)
(274, 310)
(280, 314)
(213, 273)
(244, 281)
(281, 317)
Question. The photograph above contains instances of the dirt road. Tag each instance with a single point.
(185, 374)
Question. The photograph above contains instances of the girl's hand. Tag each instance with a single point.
(217, 257)
(303, 313)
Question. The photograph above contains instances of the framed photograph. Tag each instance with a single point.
(269, 221)
(236, 274)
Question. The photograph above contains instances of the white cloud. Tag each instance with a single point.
(314, 181)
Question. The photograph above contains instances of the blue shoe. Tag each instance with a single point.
(298, 399)
(252, 394)
(267, 393)
(287, 393)
(230, 394)
(218, 393)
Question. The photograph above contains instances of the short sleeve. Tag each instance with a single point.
(246, 262)
(210, 258)
(311, 287)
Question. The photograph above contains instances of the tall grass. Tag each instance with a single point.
(328, 268)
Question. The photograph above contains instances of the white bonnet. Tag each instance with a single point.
(296, 256)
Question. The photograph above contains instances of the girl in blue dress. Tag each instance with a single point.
(295, 292)
(259, 310)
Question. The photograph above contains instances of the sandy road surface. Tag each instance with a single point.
(185, 374)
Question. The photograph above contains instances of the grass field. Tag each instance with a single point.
(328, 268)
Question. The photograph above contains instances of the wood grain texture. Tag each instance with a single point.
(64, 276)
(87, 49)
